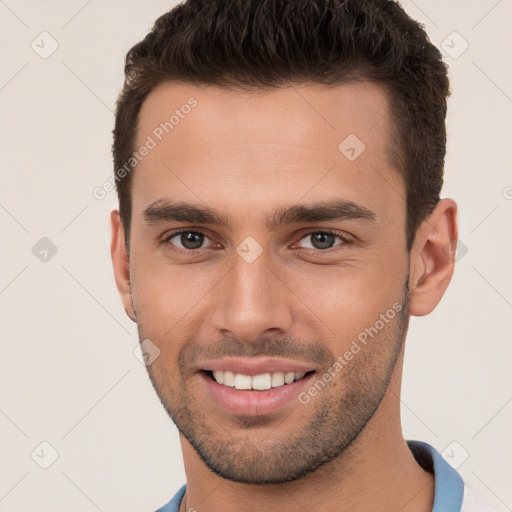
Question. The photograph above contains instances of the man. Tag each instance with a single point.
(278, 166)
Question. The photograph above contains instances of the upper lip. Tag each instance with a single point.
(255, 366)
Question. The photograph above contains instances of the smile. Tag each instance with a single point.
(255, 395)
(259, 382)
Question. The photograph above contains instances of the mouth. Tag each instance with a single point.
(254, 395)
(261, 382)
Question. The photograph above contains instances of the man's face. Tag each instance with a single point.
(285, 291)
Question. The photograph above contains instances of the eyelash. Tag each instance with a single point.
(189, 252)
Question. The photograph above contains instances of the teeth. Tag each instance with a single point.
(242, 381)
(277, 379)
(229, 379)
(289, 378)
(260, 382)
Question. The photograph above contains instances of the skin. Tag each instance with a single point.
(247, 154)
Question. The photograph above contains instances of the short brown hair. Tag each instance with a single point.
(258, 44)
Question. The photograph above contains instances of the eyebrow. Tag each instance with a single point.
(163, 210)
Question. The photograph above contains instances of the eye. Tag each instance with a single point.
(322, 240)
(190, 240)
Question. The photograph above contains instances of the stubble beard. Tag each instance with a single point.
(329, 423)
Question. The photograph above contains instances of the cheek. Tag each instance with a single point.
(166, 297)
(359, 287)
(348, 300)
(161, 281)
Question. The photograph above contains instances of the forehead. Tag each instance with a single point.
(240, 115)
(222, 146)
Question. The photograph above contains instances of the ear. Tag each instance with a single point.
(433, 258)
(121, 262)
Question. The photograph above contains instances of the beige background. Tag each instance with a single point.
(68, 372)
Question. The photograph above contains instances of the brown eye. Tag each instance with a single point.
(187, 240)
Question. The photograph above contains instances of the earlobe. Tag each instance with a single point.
(433, 258)
(121, 262)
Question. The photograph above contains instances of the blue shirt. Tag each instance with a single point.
(449, 487)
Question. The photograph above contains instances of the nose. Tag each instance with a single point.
(252, 301)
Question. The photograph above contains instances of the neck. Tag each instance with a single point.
(378, 471)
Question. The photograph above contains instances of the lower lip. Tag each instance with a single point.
(253, 402)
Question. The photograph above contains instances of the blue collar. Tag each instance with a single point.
(174, 504)
(449, 487)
